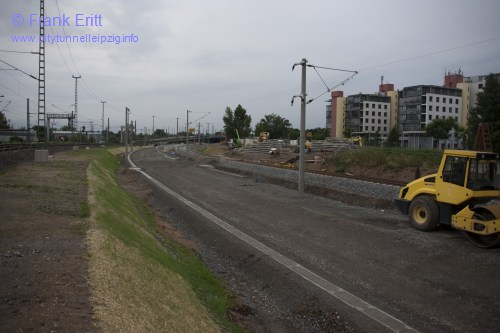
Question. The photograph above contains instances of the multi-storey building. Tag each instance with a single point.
(471, 86)
(368, 114)
(410, 109)
(363, 114)
(420, 105)
(335, 114)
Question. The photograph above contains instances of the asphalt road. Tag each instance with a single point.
(366, 266)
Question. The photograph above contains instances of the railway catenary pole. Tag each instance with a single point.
(102, 120)
(303, 101)
(187, 134)
(126, 130)
(76, 100)
(302, 139)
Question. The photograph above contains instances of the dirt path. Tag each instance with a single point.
(43, 266)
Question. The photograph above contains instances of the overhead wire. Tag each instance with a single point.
(432, 53)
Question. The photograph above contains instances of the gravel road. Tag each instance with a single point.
(433, 282)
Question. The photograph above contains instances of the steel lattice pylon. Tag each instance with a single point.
(41, 68)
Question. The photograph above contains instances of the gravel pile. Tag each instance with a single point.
(379, 195)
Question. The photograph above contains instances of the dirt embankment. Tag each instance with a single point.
(318, 161)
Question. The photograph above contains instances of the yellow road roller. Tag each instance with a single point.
(463, 194)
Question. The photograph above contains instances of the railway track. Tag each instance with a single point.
(16, 146)
(339, 175)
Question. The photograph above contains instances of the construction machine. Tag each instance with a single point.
(462, 194)
(263, 136)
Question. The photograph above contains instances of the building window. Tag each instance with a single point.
(380, 114)
(373, 121)
(450, 109)
(373, 106)
(385, 114)
(430, 107)
(380, 106)
(450, 101)
(385, 129)
(437, 99)
(456, 119)
(456, 110)
(430, 117)
(379, 121)
(430, 98)
(437, 107)
(385, 107)
(373, 128)
(367, 113)
(366, 128)
(385, 121)
(437, 117)
(367, 105)
(373, 113)
(456, 101)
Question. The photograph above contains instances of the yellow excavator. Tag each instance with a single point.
(462, 194)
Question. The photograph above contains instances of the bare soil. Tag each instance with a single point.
(317, 161)
(43, 275)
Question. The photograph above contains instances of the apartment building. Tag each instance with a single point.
(420, 105)
(363, 114)
(471, 86)
(410, 109)
(368, 114)
(335, 110)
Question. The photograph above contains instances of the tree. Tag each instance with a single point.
(440, 128)
(159, 133)
(237, 120)
(319, 133)
(277, 126)
(68, 128)
(4, 123)
(375, 139)
(393, 138)
(487, 110)
(294, 133)
(347, 133)
(463, 134)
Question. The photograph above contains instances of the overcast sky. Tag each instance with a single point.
(203, 56)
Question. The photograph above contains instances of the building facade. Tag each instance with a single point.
(471, 86)
(366, 115)
(410, 110)
(420, 105)
(335, 114)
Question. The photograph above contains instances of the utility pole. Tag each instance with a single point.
(199, 134)
(28, 134)
(302, 139)
(102, 125)
(187, 134)
(41, 71)
(177, 130)
(303, 101)
(153, 134)
(76, 101)
(107, 133)
(127, 111)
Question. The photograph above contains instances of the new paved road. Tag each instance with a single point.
(369, 265)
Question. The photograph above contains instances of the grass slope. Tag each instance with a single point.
(139, 283)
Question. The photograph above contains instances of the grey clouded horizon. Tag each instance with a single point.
(207, 55)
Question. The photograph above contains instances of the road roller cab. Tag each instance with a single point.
(460, 194)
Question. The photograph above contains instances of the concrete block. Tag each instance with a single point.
(41, 156)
